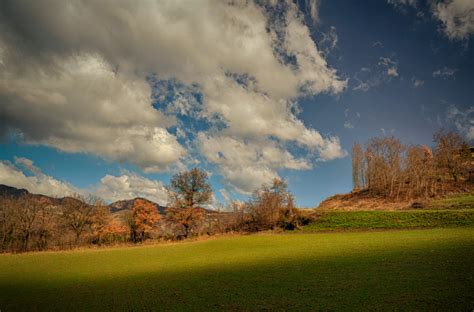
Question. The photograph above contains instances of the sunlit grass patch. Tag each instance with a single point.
(379, 219)
(392, 270)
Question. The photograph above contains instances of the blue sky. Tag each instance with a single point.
(247, 92)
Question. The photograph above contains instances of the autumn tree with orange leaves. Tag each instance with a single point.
(141, 220)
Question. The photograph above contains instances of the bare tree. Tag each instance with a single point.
(268, 203)
(240, 218)
(26, 214)
(390, 169)
(187, 193)
(189, 189)
(46, 225)
(7, 221)
(448, 154)
(77, 213)
(384, 165)
(359, 168)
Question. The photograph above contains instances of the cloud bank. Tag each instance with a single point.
(456, 17)
(76, 77)
(110, 188)
(36, 182)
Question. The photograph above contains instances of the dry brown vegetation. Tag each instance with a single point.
(36, 222)
(271, 206)
(389, 175)
(30, 223)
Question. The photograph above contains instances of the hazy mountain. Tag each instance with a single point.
(115, 207)
(127, 204)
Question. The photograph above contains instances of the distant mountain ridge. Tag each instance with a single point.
(127, 204)
(115, 207)
(13, 192)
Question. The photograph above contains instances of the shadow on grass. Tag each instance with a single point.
(427, 277)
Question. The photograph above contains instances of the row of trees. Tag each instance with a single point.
(386, 167)
(33, 222)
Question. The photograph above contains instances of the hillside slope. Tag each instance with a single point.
(361, 200)
(364, 201)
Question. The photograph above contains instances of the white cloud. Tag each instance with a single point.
(392, 72)
(417, 83)
(390, 65)
(348, 125)
(313, 9)
(398, 3)
(351, 118)
(378, 44)
(225, 194)
(130, 185)
(463, 120)
(110, 188)
(387, 132)
(444, 73)
(370, 77)
(457, 18)
(76, 79)
(246, 165)
(81, 105)
(330, 40)
(37, 183)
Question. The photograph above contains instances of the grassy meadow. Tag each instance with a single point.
(337, 220)
(459, 201)
(428, 269)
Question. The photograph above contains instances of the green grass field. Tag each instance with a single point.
(460, 201)
(400, 219)
(391, 270)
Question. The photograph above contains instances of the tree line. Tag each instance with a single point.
(386, 167)
(35, 223)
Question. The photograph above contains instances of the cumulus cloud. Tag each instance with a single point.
(456, 17)
(36, 182)
(463, 120)
(110, 188)
(78, 104)
(130, 185)
(79, 80)
(247, 164)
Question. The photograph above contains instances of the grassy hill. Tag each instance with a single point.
(452, 211)
(364, 200)
(399, 219)
(459, 201)
(392, 270)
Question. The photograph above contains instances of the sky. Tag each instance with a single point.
(112, 98)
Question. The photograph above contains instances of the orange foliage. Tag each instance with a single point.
(144, 217)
